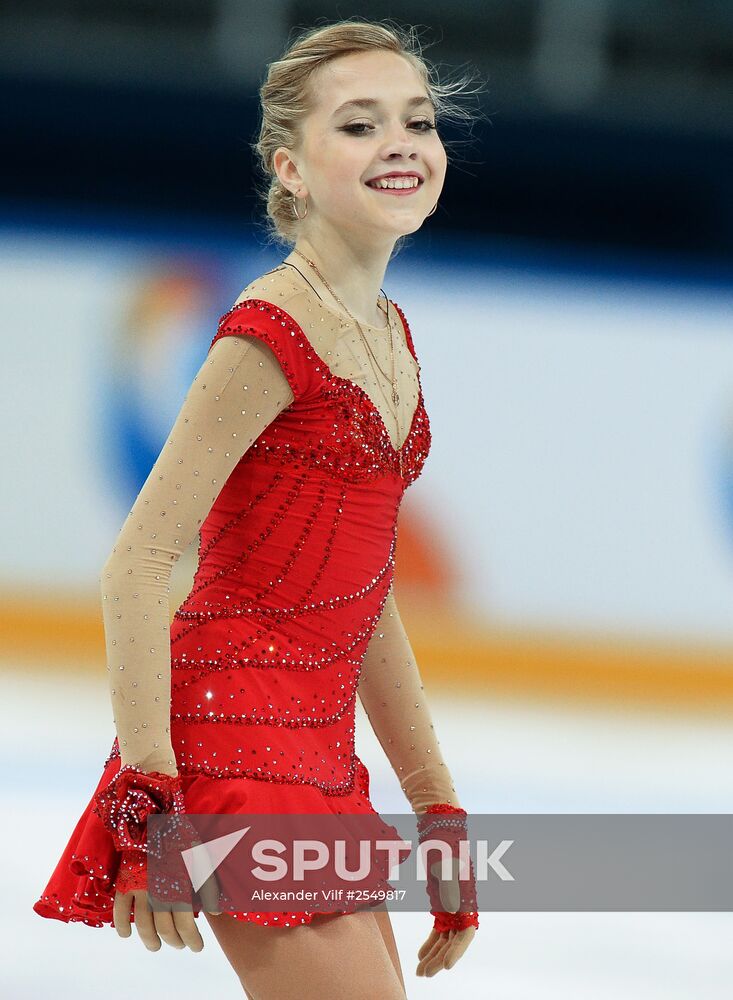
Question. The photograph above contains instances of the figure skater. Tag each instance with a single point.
(290, 455)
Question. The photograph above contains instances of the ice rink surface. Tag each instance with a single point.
(505, 757)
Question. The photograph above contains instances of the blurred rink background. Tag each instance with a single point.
(565, 562)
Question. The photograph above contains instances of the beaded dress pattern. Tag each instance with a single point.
(287, 460)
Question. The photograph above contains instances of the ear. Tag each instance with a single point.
(286, 170)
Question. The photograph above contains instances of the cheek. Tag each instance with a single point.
(439, 161)
(337, 171)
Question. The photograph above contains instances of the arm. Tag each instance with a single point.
(239, 389)
(391, 691)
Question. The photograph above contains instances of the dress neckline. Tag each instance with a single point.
(333, 377)
(342, 317)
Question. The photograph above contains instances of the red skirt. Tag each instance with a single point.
(82, 886)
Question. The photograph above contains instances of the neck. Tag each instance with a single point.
(355, 273)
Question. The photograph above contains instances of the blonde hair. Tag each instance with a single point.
(285, 100)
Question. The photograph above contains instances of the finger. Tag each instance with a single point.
(437, 945)
(209, 893)
(426, 947)
(435, 963)
(428, 955)
(121, 910)
(144, 921)
(458, 946)
(166, 929)
(450, 896)
(187, 930)
(449, 889)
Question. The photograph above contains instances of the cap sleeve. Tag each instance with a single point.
(408, 333)
(282, 334)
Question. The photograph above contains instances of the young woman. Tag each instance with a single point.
(291, 454)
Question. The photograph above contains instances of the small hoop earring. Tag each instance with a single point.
(295, 207)
(433, 209)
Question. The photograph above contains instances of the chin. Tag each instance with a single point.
(405, 231)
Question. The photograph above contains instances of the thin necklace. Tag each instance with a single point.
(393, 380)
(395, 393)
(371, 353)
(289, 263)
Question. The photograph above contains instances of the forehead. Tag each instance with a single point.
(372, 79)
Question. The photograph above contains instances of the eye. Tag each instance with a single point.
(429, 126)
(354, 126)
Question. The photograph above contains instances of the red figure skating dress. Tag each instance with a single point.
(287, 458)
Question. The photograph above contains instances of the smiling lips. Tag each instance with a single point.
(410, 185)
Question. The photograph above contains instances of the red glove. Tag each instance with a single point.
(132, 873)
(449, 826)
(124, 806)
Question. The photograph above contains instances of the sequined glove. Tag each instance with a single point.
(447, 823)
(132, 873)
(124, 806)
(168, 881)
(130, 797)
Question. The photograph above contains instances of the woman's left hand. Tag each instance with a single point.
(442, 950)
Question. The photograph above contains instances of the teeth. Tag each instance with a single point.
(395, 182)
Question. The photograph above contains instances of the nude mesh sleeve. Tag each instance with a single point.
(391, 692)
(239, 389)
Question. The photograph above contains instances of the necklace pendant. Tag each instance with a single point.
(395, 397)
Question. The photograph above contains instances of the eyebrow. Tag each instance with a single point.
(370, 102)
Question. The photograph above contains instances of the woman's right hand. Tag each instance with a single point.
(177, 927)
